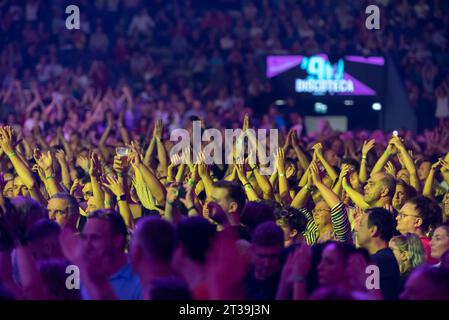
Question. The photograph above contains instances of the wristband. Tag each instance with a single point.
(281, 174)
(363, 157)
(191, 182)
(121, 198)
(119, 174)
(50, 176)
(11, 154)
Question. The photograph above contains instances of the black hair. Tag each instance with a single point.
(268, 234)
(383, 220)
(235, 192)
(293, 217)
(196, 234)
(256, 213)
(429, 211)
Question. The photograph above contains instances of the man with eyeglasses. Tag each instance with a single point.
(64, 210)
(420, 215)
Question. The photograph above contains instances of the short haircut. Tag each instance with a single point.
(115, 220)
(268, 234)
(389, 181)
(293, 217)
(345, 250)
(73, 204)
(235, 192)
(383, 220)
(256, 213)
(429, 211)
(157, 237)
(43, 229)
(196, 235)
(170, 289)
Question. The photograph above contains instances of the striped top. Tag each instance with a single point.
(340, 224)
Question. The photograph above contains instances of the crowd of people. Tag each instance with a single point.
(89, 181)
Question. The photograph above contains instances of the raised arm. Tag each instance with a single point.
(117, 188)
(408, 162)
(428, 185)
(21, 167)
(319, 154)
(249, 190)
(45, 162)
(284, 189)
(355, 196)
(367, 146)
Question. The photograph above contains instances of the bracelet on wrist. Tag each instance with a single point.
(11, 154)
(51, 176)
(281, 174)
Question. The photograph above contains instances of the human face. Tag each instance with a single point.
(373, 189)
(220, 197)
(58, 210)
(91, 206)
(331, 270)
(401, 257)
(8, 191)
(439, 243)
(322, 214)
(20, 189)
(408, 219)
(97, 239)
(424, 170)
(88, 191)
(289, 233)
(363, 233)
(331, 157)
(398, 199)
(266, 261)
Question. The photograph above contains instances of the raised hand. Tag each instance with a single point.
(318, 150)
(315, 173)
(294, 139)
(43, 160)
(120, 164)
(114, 185)
(60, 155)
(6, 140)
(367, 146)
(280, 163)
(157, 131)
(94, 165)
(390, 169)
(83, 162)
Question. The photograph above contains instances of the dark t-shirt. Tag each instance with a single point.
(261, 289)
(390, 277)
